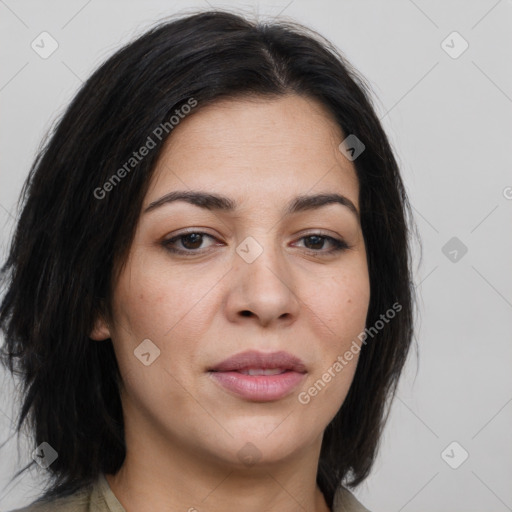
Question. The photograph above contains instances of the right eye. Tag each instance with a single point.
(190, 243)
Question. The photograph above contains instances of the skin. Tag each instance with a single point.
(183, 430)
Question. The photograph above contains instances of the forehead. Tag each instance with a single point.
(256, 147)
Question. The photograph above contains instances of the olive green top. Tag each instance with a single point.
(100, 498)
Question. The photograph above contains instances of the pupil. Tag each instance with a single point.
(194, 238)
(316, 241)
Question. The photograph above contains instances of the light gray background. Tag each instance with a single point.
(450, 123)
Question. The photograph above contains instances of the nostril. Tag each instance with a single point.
(246, 313)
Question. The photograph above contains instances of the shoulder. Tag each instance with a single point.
(345, 501)
(95, 498)
(78, 502)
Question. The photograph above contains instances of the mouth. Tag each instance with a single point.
(259, 377)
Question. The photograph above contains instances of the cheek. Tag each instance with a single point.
(341, 303)
(340, 312)
(169, 306)
(153, 297)
(152, 303)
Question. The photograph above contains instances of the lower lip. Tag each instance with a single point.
(259, 388)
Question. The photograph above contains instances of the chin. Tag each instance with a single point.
(270, 443)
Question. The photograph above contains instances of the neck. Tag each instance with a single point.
(158, 475)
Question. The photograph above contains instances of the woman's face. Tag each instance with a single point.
(263, 280)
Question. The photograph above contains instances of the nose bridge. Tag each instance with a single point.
(260, 261)
(262, 277)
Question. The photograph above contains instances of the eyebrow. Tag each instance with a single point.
(216, 202)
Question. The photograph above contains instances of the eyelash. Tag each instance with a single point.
(339, 245)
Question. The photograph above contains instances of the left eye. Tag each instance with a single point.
(191, 243)
(316, 240)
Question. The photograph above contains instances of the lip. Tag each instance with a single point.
(259, 388)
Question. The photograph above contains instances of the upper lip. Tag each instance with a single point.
(254, 359)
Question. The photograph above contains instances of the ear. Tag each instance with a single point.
(100, 331)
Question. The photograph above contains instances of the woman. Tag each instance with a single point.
(208, 294)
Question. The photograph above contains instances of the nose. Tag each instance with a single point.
(262, 291)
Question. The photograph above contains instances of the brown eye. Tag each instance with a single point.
(192, 240)
(315, 244)
(187, 243)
